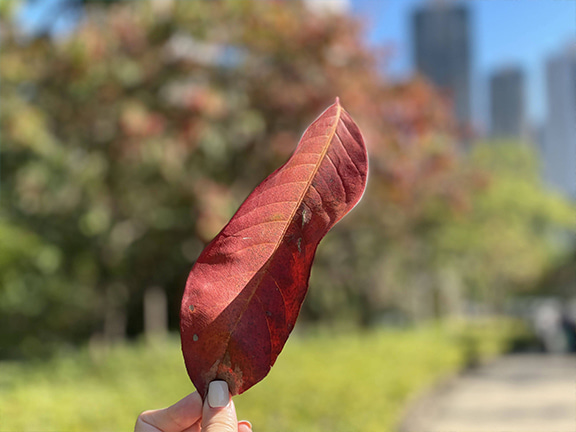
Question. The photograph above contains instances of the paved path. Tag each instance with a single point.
(520, 393)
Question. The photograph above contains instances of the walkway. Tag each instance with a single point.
(520, 393)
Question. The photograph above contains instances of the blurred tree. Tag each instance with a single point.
(129, 145)
(560, 280)
(517, 230)
(39, 308)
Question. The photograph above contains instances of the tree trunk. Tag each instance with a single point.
(155, 313)
(115, 314)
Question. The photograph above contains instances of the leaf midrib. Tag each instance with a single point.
(264, 268)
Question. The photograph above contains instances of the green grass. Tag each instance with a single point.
(323, 382)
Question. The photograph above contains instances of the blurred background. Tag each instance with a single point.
(131, 131)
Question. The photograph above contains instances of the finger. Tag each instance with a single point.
(219, 414)
(194, 428)
(176, 418)
(244, 426)
(142, 426)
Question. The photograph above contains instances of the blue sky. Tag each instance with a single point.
(504, 32)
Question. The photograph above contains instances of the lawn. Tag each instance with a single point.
(324, 381)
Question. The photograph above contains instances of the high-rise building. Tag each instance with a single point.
(507, 103)
(441, 49)
(559, 149)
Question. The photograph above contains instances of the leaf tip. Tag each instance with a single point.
(337, 102)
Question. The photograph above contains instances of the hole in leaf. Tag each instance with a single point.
(195, 337)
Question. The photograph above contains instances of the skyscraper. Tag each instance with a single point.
(507, 103)
(441, 49)
(559, 150)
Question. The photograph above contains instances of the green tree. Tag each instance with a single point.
(128, 146)
(517, 230)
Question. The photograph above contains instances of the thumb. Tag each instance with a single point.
(218, 413)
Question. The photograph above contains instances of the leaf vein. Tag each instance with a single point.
(258, 224)
(338, 175)
(250, 246)
(341, 142)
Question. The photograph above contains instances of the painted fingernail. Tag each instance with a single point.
(218, 394)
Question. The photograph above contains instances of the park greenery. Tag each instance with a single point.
(127, 145)
(311, 388)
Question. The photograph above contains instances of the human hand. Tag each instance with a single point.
(217, 414)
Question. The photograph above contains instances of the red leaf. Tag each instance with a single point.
(245, 291)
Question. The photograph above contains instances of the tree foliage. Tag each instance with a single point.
(126, 147)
